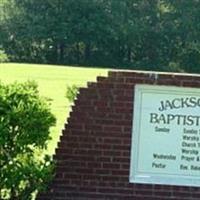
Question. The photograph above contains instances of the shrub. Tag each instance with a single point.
(72, 92)
(3, 57)
(25, 119)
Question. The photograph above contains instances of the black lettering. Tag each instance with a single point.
(154, 118)
(168, 105)
(176, 103)
(184, 102)
(162, 108)
(170, 118)
(162, 119)
(193, 102)
(179, 119)
(190, 120)
(197, 120)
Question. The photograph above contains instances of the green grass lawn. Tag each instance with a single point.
(52, 82)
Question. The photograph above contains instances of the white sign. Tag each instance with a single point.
(166, 136)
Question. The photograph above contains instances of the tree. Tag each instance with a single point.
(25, 119)
(187, 14)
(136, 34)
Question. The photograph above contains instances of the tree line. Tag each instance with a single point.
(136, 34)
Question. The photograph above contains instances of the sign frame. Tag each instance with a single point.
(136, 176)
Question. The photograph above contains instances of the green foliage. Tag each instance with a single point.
(72, 92)
(25, 119)
(3, 57)
(143, 34)
(52, 81)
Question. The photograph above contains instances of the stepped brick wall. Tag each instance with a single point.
(93, 155)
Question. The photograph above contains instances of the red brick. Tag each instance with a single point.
(120, 172)
(144, 193)
(101, 79)
(191, 83)
(111, 165)
(103, 172)
(93, 154)
(103, 146)
(112, 153)
(112, 141)
(163, 193)
(114, 128)
(104, 159)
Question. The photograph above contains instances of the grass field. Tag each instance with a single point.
(52, 82)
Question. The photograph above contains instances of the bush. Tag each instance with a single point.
(72, 92)
(25, 119)
(3, 57)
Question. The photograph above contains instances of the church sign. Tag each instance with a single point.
(166, 136)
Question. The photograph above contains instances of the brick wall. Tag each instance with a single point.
(93, 155)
